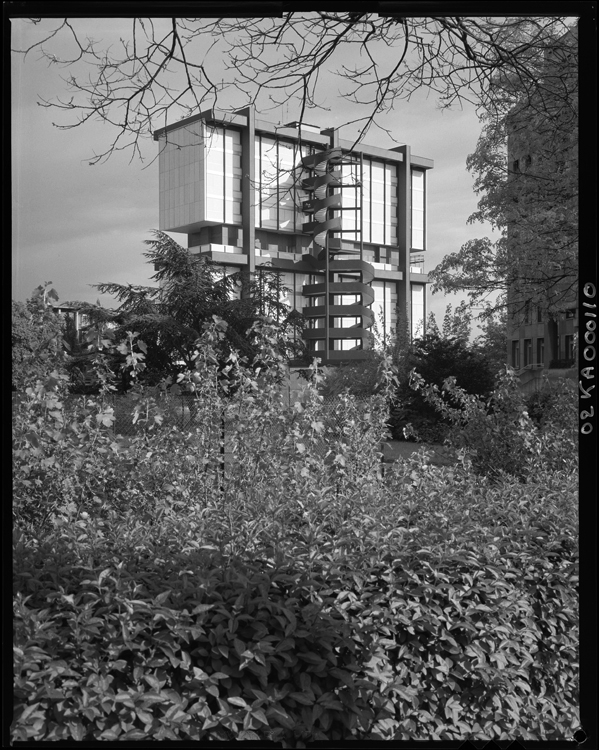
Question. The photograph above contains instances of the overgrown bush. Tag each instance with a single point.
(277, 585)
(36, 338)
(499, 434)
(436, 358)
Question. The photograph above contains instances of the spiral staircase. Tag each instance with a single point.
(353, 291)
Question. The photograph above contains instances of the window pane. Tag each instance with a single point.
(418, 210)
(346, 344)
(417, 310)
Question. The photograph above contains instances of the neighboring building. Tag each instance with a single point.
(543, 172)
(345, 226)
(76, 321)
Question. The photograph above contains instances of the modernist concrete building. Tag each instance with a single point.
(345, 226)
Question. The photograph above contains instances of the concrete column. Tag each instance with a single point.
(248, 189)
(404, 231)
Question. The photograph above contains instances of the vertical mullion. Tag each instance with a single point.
(370, 200)
(260, 179)
(361, 206)
(424, 209)
(224, 175)
(277, 175)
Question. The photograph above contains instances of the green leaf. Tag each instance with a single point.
(248, 734)
(201, 608)
(77, 730)
(237, 701)
(259, 714)
(303, 698)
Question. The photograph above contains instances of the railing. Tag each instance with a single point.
(321, 203)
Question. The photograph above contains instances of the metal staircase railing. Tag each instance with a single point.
(323, 201)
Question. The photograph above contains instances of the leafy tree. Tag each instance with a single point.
(436, 356)
(276, 60)
(457, 323)
(492, 342)
(190, 290)
(37, 333)
(526, 172)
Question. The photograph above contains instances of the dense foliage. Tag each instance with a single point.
(189, 290)
(492, 342)
(278, 583)
(526, 174)
(438, 354)
(36, 337)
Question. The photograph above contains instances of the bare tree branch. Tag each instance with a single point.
(161, 75)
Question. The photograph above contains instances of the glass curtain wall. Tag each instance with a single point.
(223, 175)
(418, 209)
(384, 307)
(417, 310)
(379, 202)
(278, 170)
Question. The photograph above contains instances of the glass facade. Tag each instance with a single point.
(418, 209)
(347, 322)
(278, 192)
(347, 299)
(223, 175)
(379, 202)
(417, 310)
(346, 345)
(384, 307)
(293, 284)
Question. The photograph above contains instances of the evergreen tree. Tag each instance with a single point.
(191, 289)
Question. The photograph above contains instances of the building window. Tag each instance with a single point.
(316, 322)
(516, 354)
(540, 351)
(417, 310)
(278, 193)
(379, 202)
(347, 299)
(570, 314)
(569, 346)
(418, 209)
(316, 345)
(539, 315)
(346, 345)
(527, 352)
(384, 307)
(528, 312)
(223, 175)
(416, 264)
(347, 322)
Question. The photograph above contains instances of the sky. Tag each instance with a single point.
(78, 225)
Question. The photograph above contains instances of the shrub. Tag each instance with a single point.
(300, 594)
(436, 358)
(498, 433)
(36, 338)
